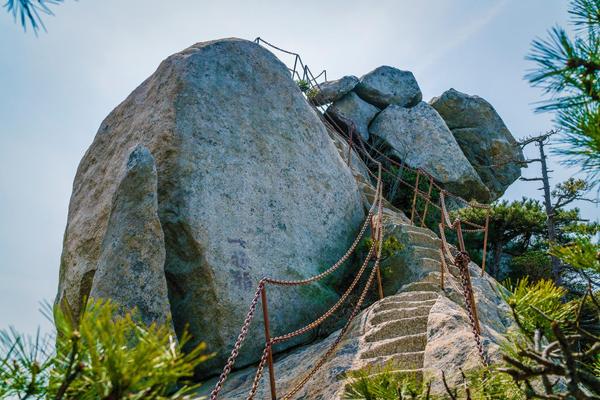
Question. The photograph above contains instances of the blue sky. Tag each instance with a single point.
(56, 88)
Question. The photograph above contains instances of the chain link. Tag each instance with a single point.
(462, 262)
(238, 343)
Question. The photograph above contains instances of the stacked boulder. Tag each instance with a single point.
(458, 139)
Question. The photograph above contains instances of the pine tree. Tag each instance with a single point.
(29, 12)
(568, 70)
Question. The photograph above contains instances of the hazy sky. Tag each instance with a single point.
(56, 88)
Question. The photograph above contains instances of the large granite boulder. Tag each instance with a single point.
(131, 265)
(387, 85)
(330, 91)
(352, 109)
(484, 138)
(420, 137)
(249, 185)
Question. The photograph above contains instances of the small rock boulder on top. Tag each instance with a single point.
(420, 137)
(330, 91)
(387, 85)
(352, 109)
(483, 137)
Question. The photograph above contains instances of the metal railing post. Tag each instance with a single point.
(467, 275)
(427, 200)
(349, 159)
(414, 202)
(268, 343)
(485, 240)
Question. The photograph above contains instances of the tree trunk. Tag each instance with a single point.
(556, 266)
(496, 258)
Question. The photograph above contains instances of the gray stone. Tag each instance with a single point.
(387, 85)
(131, 266)
(352, 109)
(331, 91)
(484, 138)
(249, 185)
(420, 137)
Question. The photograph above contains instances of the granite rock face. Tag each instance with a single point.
(352, 108)
(483, 137)
(249, 185)
(387, 85)
(420, 137)
(131, 266)
(331, 91)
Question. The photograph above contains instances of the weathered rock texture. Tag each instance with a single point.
(418, 332)
(387, 85)
(331, 91)
(131, 265)
(353, 108)
(249, 185)
(484, 138)
(420, 137)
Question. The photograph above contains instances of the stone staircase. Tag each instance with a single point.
(395, 329)
(396, 332)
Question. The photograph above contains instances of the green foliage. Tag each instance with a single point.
(303, 85)
(24, 364)
(535, 265)
(582, 254)
(386, 384)
(513, 228)
(555, 342)
(389, 246)
(311, 93)
(508, 220)
(490, 384)
(536, 305)
(568, 70)
(103, 355)
(383, 384)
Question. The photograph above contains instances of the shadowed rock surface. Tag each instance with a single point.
(420, 137)
(387, 85)
(353, 108)
(131, 267)
(249, 185)
(483, 137)
(331, 91)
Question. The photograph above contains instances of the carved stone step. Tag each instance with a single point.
(401, 374)
(422, 239)
(410, 343)
(425, 252)
(412, 360)
(403, 304)
(429, 264)
(399, 313)
(397, 328)
(419, 229)
(421, 286)
(410, 296)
